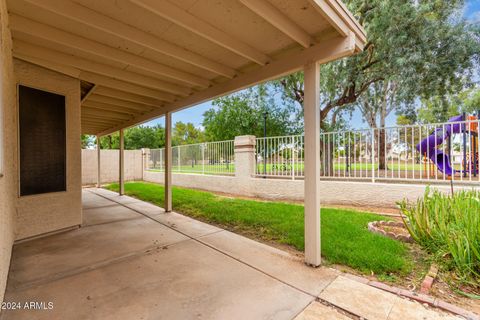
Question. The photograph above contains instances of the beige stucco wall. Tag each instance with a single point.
(38, 214)
(8, 126)
(109, 166)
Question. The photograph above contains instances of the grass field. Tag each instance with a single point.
(287, 168)
(345, 238)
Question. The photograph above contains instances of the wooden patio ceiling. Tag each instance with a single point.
(139, 59)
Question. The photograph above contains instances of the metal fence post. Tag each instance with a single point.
(373, 155)
(162, 165)
(178, 161)
(292, 157)
(203, 158)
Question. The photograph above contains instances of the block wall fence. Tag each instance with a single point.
(109, 166)
(246, 183)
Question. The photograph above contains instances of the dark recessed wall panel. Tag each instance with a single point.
(42, 141)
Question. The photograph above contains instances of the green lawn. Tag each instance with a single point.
(286, 168)
(345, 238)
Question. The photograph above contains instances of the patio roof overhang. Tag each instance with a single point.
(139, 59)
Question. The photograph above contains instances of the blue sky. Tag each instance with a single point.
(195, 114)
(472, 10)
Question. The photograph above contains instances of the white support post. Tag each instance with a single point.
(99, 180)
(168, 162)
(121, 166)
(312, 163)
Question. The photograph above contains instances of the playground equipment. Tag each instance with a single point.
(428, 147)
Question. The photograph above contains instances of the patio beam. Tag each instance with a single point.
(92, 128)
(121, 165)
(341, 19)
(280, 21)
(99, 183)
(109, 82)
(327, 50)
(113, 107)
(127, 96)
(48, 64)
(87, 109)
(90, 131)
(118, 29)
(103, 81)
(99, 119)
(121, 103)
(311, 109)
(89, 93)
(83, 64)
(183, 18)
(45, 32)
(87, 119)
(93, 125)
(168, 162)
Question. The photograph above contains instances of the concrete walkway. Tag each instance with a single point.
(130, 260)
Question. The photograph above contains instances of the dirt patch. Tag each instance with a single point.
(395, 230)
(391, 229)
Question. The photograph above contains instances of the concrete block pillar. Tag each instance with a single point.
(245, 156)
(145, 160)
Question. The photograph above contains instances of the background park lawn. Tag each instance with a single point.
(286, 168)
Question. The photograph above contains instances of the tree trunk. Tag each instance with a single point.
(326, 150)
(326, 157)
(380, 138)
(382, 165)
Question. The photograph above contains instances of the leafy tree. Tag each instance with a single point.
(378, 101)
(111, 141)
(420, 48)
(410, 136)
(136, 138)
(440, 109)
(87, 141)
(144, 137)
(243, 114)
(186, 133)
(471, 102)
(414, 49)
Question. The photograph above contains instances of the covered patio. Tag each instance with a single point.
(97, 67)
(136, 60)
(131, 260)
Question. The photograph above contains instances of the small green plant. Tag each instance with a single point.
(448, 226)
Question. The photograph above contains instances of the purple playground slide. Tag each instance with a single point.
(429, 145)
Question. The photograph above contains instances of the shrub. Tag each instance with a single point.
(449, 227)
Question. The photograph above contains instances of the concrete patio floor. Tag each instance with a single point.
(130, 260)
